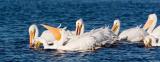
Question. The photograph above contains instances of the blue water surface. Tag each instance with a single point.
(17, 15)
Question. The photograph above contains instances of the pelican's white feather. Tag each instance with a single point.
(90, 40)
(137, 34)
(153, 39)
(156, 32)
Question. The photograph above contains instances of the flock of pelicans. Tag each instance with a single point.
(63, 39)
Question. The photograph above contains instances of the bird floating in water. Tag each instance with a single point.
(34, 33)
(137, 34)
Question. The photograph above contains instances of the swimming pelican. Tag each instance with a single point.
(153, 39)
(137, 34)
(34, 32)
(59, 35)
(86, 41)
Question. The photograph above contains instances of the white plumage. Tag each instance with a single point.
(34, 33)
(153, 39)
(91, 40)
(137, 34)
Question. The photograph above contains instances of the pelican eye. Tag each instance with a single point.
(116, 23)
(157, 40)
(51, 44)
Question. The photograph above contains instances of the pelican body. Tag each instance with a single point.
(137, 34)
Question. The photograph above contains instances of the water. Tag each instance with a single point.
(17, 15)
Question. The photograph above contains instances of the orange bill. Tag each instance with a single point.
(31, 37)
(78, 29)
(148, 24)
(114, 28)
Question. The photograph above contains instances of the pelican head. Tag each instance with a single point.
(148, 41)
(151, 23)
(116, 27)
(33, 33)
(79, 27)
(37, 43)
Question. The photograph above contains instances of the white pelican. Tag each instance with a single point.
(86, 41)
(59, 36)
(153, 39)
(137, 34)
(34, 32)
